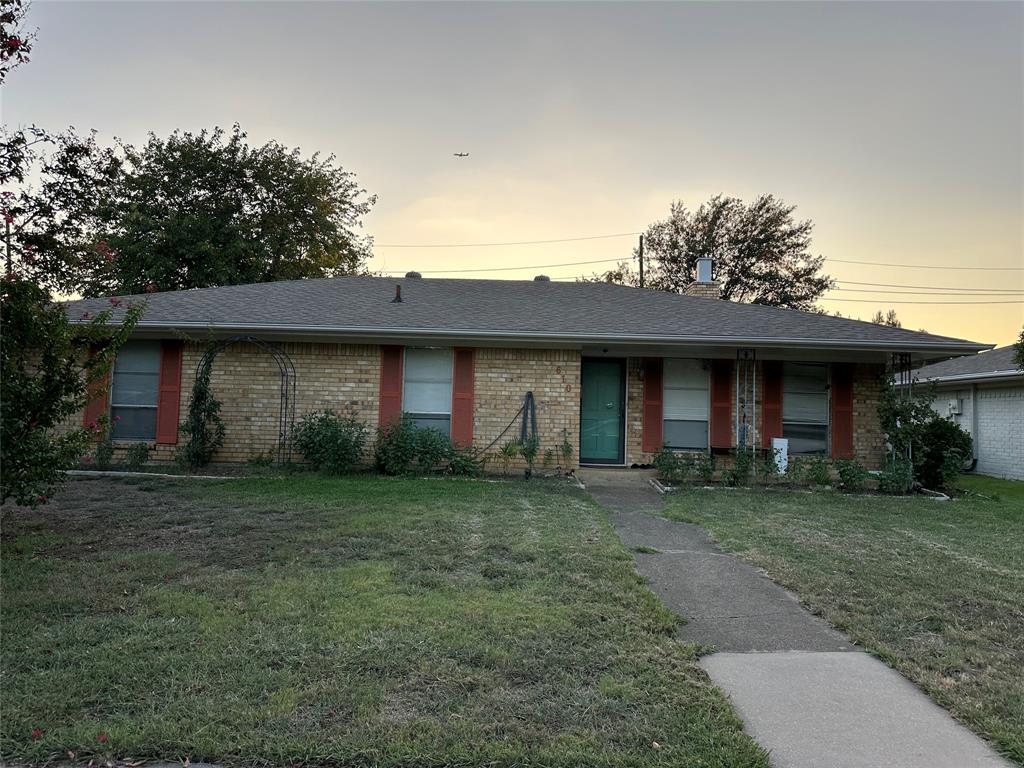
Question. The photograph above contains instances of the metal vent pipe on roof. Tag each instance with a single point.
(412, 275)
(398, 295)
(542, 279)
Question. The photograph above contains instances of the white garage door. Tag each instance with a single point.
(1000, 435)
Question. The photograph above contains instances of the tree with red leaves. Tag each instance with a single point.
(49, 367)
(15, 39)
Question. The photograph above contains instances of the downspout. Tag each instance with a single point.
(753, 407)
(736, 406)
(974, 422)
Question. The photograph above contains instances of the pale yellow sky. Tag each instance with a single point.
(896, 127)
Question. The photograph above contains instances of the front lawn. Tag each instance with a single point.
(936, 589)
(362, 621)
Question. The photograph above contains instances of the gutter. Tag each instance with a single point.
(942, 347)
(989, 376)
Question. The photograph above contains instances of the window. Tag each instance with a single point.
(805, 407)
(685, 407)
(133, 392)
(427, 391)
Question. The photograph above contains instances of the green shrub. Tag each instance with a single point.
(203, 427)
(672, 467)
(261, 460)
(463, 461)
(767, 467)
(704, 466)
(529, 448)
(509, 452)
(742, 466)
(897, 476)
(937, 446)
(549, 459)
(941, 452)
(565, 449)
(852, 475)
(104, 455)
(796, 471)
(666, 462)
(137, 456)
(395, 449)
(818, 471)
(330, 442)
(432, 448)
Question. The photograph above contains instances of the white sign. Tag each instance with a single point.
(780, 449)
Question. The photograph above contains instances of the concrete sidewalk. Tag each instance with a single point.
(804, 691)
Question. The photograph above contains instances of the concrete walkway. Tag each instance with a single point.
(804, 691)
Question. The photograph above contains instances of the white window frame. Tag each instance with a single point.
(827, 423)
(707, 404)
(133, 406)
(429, 415)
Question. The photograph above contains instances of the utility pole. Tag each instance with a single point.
(640, 251)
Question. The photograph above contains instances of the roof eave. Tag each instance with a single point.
(937, 348)
(969, 377)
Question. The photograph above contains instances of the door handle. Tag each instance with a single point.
(609, 405)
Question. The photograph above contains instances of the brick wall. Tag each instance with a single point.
(504, 376)
(245, 378)
(999, 422)
(346, 378)
(635, 414)
(712, 290)
(1001, 431)
(868, 440)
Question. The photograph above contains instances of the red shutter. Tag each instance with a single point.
(98, 404)
(462, 398)
(771, 402)
(842, 411)
(169, 393)
(721, 404)
(653, 439)
(390, 384)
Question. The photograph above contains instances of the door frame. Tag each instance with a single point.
(620, 459)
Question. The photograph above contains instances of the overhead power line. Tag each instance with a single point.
(930, 293)
(924, 266)
(945, 303)
(504, 269)
(926, 287)
(500, 245)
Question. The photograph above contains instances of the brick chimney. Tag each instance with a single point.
(704, 286)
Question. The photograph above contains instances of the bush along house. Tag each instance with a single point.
(616, 372)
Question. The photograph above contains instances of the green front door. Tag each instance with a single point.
(601, 411)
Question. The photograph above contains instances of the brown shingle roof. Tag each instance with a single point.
(510, 308)
(995, 362)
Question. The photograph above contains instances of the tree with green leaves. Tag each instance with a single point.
(761, 252)
(50, 370)
(192, 210)
(1018, 354)
(889, 318)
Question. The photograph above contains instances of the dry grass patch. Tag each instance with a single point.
(935, 589)
(359, 621)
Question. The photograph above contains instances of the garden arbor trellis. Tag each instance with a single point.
(287, 385)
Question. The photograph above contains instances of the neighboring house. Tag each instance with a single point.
(984, 394)
(618, 372)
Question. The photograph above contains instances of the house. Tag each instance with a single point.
(617, 372)
(984, 394)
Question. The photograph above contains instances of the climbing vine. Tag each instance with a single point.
(203, 426)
